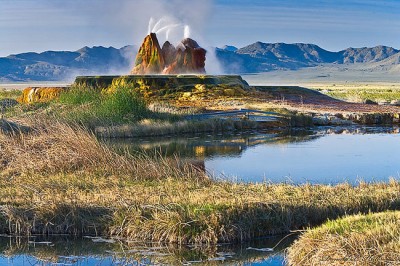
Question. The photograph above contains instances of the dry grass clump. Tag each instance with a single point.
(55, 147)
(371, 239)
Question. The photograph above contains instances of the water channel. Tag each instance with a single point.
(327, 155)
(91, 251)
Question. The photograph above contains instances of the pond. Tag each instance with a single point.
(92, 251)
(327, 155)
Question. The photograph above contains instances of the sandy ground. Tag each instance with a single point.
(304, 101)
(326, 74)
(21, 86)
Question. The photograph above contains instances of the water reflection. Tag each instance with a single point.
(325, 155)
(89, 251)
(209, 146)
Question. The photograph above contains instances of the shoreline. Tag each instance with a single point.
(83, 187)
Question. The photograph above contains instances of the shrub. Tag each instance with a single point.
(77, 96)
(123, 104)
(93, 108)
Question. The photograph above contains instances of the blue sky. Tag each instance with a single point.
(39, 25)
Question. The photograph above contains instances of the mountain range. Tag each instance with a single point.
(254, 58)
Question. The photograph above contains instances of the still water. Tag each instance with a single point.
(105, 252)
(318, 156)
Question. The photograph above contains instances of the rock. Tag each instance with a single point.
(34, 95)
(6, 103)
(395, 102)
(169, 52)
(11, 128)
(149, 59)
(187, 58)
(186, 94)
(190, 58)
(330, 120)
(368, 101)
(371, 118)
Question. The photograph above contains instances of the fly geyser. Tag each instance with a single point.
(186, 58)
(164, 72)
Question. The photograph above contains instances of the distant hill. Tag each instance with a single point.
(230, 48)
(64, 65)
(366, 55)
(254, 58)
(261, 57)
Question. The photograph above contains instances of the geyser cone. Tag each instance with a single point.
(149, 59)
(187, 58)
(169, 53)
(190, 58)
(195, 56)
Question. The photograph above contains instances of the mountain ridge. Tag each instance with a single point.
(253, 58)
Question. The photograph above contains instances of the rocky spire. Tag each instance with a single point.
(187, 58)
(149, 59)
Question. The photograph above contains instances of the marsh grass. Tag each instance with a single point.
(79, 96)
(90, 107)
(60, 179)
(10, 94)
(357, 92)
(371, 239)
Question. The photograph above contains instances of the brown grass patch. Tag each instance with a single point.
(61, 179)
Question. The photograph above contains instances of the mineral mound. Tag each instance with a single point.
(186, 58)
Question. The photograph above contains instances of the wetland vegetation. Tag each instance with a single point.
(59, 178)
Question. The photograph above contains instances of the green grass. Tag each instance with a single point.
(11, 94)
(383, 93)
(79, 96)
(371, 239)
(93, 108)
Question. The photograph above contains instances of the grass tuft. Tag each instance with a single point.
(93, 108)
(371, 239)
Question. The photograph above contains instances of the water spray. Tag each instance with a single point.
(151, 25)
(186, 32)
(158, 27)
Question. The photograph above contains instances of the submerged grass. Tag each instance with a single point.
(60, 179)
(371, 239)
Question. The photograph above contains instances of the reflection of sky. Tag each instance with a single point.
(23, 260)
(329, 159)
